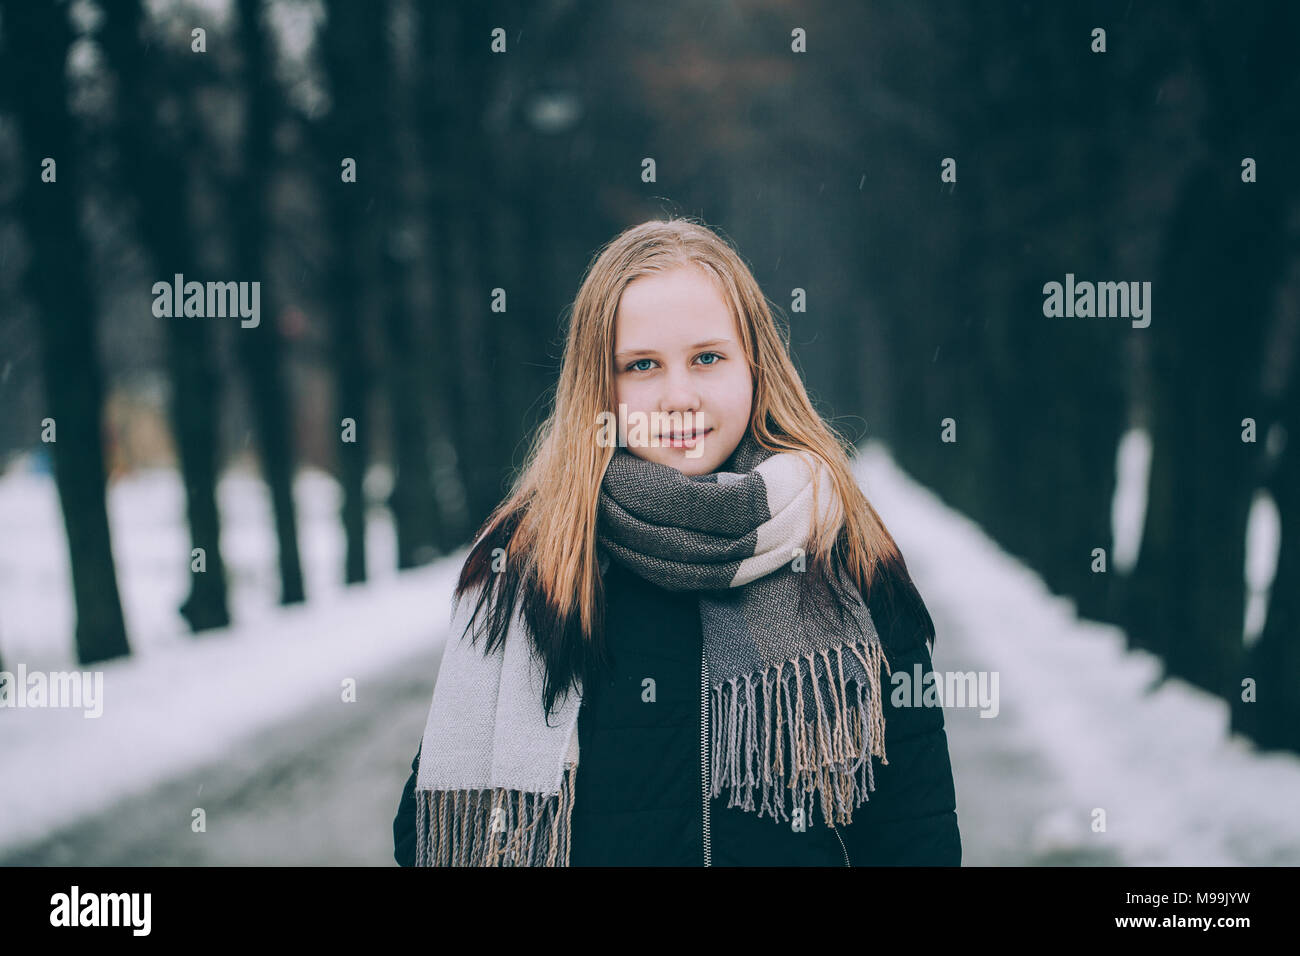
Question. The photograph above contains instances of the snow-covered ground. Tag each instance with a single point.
(1075, 731)
(1174, 788)
(180, 700)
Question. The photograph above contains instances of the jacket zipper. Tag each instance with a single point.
(704, 754)
(704, 766)
(842, 846)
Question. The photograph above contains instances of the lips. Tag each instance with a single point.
(686, 439)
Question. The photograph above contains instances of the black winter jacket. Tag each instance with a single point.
(639, 797)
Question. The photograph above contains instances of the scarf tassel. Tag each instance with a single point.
(829, 752)
(495, 827)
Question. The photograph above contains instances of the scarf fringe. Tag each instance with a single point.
(456, 827)
(829, 752)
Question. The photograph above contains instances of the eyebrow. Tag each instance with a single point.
(628, 353)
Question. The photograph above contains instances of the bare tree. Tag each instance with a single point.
(152, 164)
(37, 37)
(261, 348)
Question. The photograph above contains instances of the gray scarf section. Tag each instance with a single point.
(793, 660)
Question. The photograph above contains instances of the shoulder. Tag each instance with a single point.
(899, 613)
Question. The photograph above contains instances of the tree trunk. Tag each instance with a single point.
(58, 279)
(467, 326)
(152, 165)
(348, 132)
(1273, 718)
(261, 348)
(412, 501)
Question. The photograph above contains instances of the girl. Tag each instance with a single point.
(664, 645)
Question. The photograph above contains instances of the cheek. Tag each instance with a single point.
(627, 392)
(738, 391)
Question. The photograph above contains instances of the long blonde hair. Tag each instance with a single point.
(546, 526)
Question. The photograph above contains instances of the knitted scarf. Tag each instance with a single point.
(792, 656)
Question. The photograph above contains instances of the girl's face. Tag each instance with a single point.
(677, 350)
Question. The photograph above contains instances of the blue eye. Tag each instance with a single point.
(633, 366)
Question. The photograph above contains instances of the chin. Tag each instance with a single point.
(693, 466)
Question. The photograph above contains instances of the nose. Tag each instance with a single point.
(680, 393)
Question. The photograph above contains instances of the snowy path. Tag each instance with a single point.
(319, 790)
(1077, 729)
